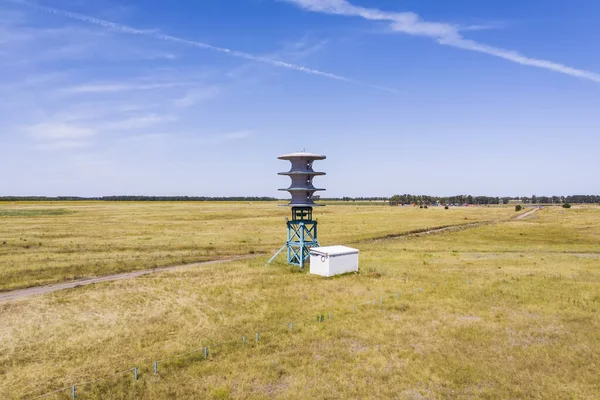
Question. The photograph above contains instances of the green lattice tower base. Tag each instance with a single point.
(302, 235)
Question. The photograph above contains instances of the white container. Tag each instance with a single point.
(333, 260)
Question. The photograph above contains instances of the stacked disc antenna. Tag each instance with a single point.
(301, 173)
(302, 229)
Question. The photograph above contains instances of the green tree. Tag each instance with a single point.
(395, 200)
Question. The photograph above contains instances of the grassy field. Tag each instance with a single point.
(506, 310)
(42, 243)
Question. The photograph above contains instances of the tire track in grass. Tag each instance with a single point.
(38, 290)
(447, 228)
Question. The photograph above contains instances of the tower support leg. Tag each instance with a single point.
(301, 236)
(276, 254)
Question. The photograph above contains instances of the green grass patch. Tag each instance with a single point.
(35, 212)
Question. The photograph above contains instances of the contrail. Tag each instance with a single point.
(174, 39)
(444, 33)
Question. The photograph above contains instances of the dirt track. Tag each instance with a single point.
(33, 291)
(527, 214)
(451, 228)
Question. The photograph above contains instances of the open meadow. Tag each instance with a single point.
(506, 309)
(43, 243)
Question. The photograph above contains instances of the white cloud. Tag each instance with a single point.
(147, 137)
(195, 96)
(59, 131)
(63, 145)
(121, 87)
(520, 59)
(60, 136)
(444, 33)
(299, 49)
(173, 39)
(187, 139)
(139, 122)
(484, 27)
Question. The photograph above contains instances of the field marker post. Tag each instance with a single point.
(421, 290)
(291, 326)
(73, 392)
(155, 367)
(244, 340)
(256, 337)
(135, 373)
(205, 352)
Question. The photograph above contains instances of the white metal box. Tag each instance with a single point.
(333, 260)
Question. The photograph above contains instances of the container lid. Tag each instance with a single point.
(333, 250)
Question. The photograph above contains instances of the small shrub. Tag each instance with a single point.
(402, 307)
(518, 207)
(566, 205)
(445, 208)
(371, 273)
(221, 393)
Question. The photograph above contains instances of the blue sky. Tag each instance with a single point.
(187, 97)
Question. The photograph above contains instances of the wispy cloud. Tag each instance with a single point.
(196, 95)
(63, 145)
(58, 106)
(174, 39)
(139, 122)
(300, 49)
(485, 26)
(121, 87)
(444, 33)
(60, 136)
(59, 131)
(178, 140)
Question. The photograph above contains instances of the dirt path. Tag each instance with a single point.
(439, 229)
(527, 214)
(34, 291)
(450, 228)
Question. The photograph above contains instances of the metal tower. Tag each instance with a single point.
(301, 229)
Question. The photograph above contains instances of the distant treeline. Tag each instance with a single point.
(468, 199)
(394, 200)
(351, 198)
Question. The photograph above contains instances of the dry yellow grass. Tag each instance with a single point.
(506, 311)
(42, 243)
